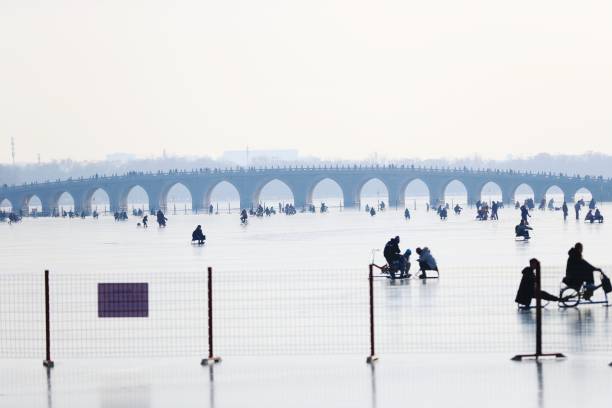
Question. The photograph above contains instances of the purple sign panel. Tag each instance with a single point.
(123, 299)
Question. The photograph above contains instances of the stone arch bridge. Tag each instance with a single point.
(300, 180)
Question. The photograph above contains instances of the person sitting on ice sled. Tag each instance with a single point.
(395, 260)
(527, 288)
(522, 230)
(198, 235)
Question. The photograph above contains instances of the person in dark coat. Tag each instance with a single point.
(395, 259)
(577, 209)
(579, 271)
(525, 214)
(392, 250)
(522, 230)
(198, 235)
(527, 288)
(161, 218)
(565, 211)
(598, 217)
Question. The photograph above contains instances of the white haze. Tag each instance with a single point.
(404, 78)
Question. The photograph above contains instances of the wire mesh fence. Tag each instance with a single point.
(22, 315)
(287, 312)
(472, 310)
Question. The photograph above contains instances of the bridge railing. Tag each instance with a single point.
(342, 167)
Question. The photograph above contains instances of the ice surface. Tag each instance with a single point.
(295, 276)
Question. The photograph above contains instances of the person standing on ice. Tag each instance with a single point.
(524, 214)
(161, 218)
(577, 209)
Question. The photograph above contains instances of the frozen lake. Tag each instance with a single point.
(287, 287)
(342, 239)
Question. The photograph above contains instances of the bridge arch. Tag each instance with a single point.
(372, 191)
(555, 193)
(97, 199)
(416, 192)
(583, 193)
(63, 201)
(455, 192)
(134, 196)
(325, 190)
(32, 202)
(174, 194)
(6, 205)
(273, 191)
(491, 191)
(223, 191)
(522, 192)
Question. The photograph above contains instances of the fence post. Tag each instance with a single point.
(538, 307)
(372, 357)
(47, 362)
(211, 357)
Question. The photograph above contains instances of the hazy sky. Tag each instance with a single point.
(337, 79)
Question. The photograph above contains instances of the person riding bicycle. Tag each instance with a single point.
(579, 271)
(244, 216)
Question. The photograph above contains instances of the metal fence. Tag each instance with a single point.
(286, 312)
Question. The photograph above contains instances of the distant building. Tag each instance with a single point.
(120, 157)
(240, 157)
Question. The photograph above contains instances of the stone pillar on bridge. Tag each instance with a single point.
(115, 203)
(436, 191)
(539, 192)
(48, 202)
(246, 190)
(507, 189)
(350, 191)
(397, 198)
(473, 195)
(300, 187)
(156, 199)
(473, 192)
(299, 198)
(198, 194)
